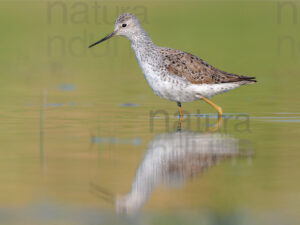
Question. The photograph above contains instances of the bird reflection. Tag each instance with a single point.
(171, 159)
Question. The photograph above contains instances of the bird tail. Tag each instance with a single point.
(235, 78)
(232, 78)
(247, 79)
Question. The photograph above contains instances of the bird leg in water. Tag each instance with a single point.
(218, 108)
(216, 126)
(180, 113)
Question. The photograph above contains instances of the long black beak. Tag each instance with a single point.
(103, 39)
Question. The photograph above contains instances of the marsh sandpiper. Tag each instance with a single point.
(172, 74)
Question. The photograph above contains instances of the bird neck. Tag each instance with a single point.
(143, 47)
(140, 37)
(140, 40)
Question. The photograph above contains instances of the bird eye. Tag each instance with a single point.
(124, 25)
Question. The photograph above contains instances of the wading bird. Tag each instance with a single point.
(173, 74)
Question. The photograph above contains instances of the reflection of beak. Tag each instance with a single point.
(103, 39)
(101, 193)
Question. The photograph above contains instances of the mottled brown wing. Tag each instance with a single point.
(195, 70)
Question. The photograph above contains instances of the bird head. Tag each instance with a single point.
(125, 25)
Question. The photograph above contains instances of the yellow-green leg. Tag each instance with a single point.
(220, 112)
(218, 108)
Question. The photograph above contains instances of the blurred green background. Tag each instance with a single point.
(61, 102)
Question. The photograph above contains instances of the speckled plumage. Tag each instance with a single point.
(172, 74)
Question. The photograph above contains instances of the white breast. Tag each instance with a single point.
(167, 86)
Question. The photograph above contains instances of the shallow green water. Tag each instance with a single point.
(79, 131)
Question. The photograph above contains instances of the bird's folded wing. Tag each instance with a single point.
(195, 70)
